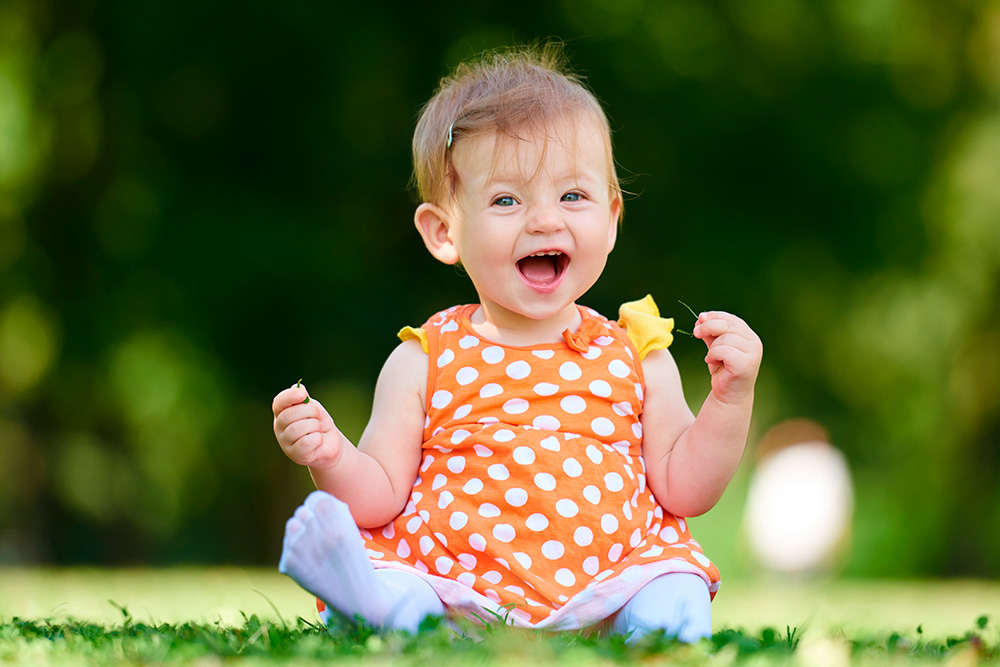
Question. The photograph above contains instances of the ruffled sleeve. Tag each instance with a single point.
(409, 333)
(644, 326)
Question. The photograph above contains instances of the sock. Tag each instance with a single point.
(679, 604)
(324, 553)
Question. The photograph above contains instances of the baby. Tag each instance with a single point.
(526, 458)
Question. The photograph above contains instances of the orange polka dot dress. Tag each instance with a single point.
(531, 500)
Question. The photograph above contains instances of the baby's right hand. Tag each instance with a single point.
(304, 429)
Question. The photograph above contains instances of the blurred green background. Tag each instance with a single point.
(201, 202)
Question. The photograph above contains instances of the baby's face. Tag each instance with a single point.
(533, 220)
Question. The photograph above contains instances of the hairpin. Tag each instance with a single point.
(451, 136)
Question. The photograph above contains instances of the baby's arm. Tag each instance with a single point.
(690, 461)
(375, 478)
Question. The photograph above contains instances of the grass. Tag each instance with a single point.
(211, 617)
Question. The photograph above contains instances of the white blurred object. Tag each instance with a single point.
(800, 502)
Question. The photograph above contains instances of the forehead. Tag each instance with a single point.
(570, 144)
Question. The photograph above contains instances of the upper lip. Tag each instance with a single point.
(547, 251)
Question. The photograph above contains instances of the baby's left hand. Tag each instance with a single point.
(734, 354)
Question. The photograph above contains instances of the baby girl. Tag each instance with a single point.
(526, 458)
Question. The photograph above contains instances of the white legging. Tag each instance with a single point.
(679, 604)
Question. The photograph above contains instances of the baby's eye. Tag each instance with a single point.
(572, 196)
(505, 200)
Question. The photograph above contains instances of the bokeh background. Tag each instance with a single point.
(201, 202)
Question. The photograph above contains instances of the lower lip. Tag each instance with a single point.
(547, 288)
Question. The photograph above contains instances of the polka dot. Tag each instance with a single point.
(609, 523)
(515, 406)
(622, 409)
(572, 467)
(493, 354)
(375, 555)
(441, 399)
(545, 481)
(456, 464)
(637, 430)
(467, 579)
(537, 522)
(583, 536)
(458, 436)
(600, 388)
(450, 326)
(516, 497)
(489, 511)
(468, 341)
(428, 460)
(669, 535)
(592, 494)
(591, 565)
(702, 560)
(567, 508)
(523, 559)
(619, 368)
(544, 354)
(458, 520)
(551, 443)
(473, 486)
(426, 544)
(468, 561)
(466, 376)
(604, 340)
(490, 390)
(444, 564)
(518, 370)
(445, 358)
(546, 423)
(565, 577)
(524, 455)
(635, 539)
(570, 371)
(463, 411)
(545, 388)
(591, 353)
(594, 454)
(652, 552)
(602, 426)
(627, 511)
(446, 498)
(413, 525)
(574, 405)
(439, 481)
(403, 550)
(389, 531)
(504, 532)
(482, 452)
(493, 577)
(614, 482)
(498, 471)
(504, 435)
(553, 550)
(615, 552)
(477, 542)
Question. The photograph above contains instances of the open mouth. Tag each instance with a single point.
(543, 269)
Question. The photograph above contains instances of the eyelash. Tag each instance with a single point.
(577, 196)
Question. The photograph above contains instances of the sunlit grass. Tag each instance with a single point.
(205, 616)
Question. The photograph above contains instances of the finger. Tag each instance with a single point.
(289, 397)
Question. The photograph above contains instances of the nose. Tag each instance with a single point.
(545, 219)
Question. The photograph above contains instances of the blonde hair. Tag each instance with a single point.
(510, 92)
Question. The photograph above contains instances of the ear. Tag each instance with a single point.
(434, 226)
(615, 222)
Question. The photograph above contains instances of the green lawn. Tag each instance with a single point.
(130, 617)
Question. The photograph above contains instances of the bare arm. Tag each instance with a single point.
(375, 478)
(690, 461)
